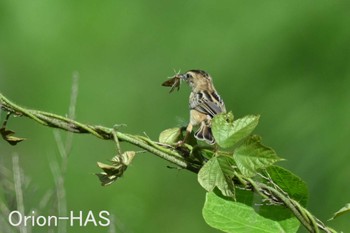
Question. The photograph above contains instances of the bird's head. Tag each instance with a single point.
(198, 80)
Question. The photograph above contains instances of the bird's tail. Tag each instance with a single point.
(204, 133)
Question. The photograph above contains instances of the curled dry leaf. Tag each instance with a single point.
(115, 170)
(7, 135)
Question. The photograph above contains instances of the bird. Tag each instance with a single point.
(204, 104)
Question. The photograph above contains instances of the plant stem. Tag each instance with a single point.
(57, 121)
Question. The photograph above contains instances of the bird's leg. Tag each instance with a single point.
(188, 132)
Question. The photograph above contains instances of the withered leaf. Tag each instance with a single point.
(111, 172)
(7, 135)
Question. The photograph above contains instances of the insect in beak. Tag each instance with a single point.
(174, 82)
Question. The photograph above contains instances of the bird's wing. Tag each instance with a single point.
(210, 104)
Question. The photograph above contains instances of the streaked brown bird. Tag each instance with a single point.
(204, 103)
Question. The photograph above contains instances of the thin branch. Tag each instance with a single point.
(57, 121)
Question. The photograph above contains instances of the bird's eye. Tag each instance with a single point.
(188, 75)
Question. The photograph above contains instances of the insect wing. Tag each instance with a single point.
(173, 83)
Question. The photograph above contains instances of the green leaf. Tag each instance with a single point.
(293, 187)
(236, 217)
(284, 181)
(289, 183)
(252, 156)
(170, 136)
(228, 132)
(344, 210)
(218, 172)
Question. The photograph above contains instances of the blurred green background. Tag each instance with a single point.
(286, 60)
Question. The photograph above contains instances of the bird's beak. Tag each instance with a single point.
(182, 76)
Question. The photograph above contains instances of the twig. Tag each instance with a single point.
(57, 121)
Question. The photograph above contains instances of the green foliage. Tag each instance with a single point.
(228, 132)
(344, 210)
(288, 182)
(246, 191)
(218, 172)
(234, 217)
(250, 163)
(170, 136)
(252, 156)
